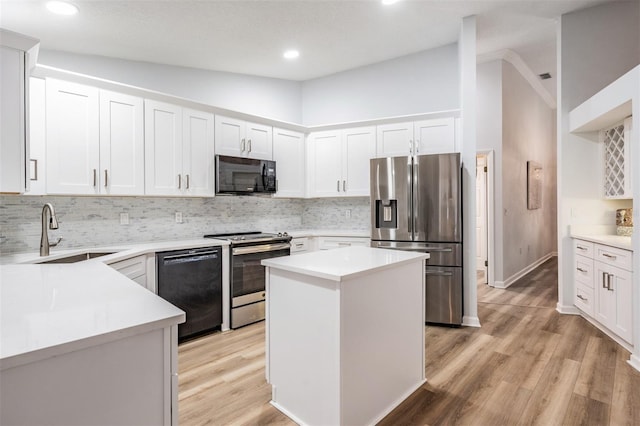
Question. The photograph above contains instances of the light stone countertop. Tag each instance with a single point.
(617, 241)
(49, 310)
(343, 263)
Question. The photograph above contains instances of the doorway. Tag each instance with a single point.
(484, 218)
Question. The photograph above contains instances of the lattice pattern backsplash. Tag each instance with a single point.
(614, 168)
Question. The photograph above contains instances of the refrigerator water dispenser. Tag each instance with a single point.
(386, 213)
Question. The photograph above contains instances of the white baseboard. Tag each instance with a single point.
(634, 361)
(515, 277)
(470, 321)
(567, 309)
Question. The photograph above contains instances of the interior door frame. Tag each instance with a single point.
(491, 243)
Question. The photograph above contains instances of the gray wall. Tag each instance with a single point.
(265, 97)
(94, 221)
(527, 135)
(518, 126)
(423, 82)
(597, 45)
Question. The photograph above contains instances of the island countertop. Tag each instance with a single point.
(344, 263)
(48, 310)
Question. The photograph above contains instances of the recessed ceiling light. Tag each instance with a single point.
(388, 2)
(62, 8)
(291, 54)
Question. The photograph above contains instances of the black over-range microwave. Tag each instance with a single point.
(244, 176)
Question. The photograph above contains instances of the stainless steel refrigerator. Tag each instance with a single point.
(416, 205)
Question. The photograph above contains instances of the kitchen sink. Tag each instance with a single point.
(79, 257)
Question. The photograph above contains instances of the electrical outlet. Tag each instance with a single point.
(178, 217)
(124, 218)
(348, 214)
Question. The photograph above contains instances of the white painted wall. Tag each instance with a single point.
(265, 97)
(489, 131)
(596, 46)
(468, 84)
(412, 84)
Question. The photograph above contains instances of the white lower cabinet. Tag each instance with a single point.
(300, 245)
(135, 268)
(603, 281)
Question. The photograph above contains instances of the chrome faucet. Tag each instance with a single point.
(53, 224)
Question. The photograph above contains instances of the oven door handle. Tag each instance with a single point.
(237, 251)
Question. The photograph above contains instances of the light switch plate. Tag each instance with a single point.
(178, 217)
(124, 218)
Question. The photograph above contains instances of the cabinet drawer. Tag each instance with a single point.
(613, 256)
(299, 245)
(583, 248)
(328, 243)
(134, 269)
(583, 270)
(584, 298)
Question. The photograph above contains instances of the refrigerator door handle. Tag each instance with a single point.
(439, 273)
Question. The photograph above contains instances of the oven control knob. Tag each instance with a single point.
(279, 234)
(285, 235)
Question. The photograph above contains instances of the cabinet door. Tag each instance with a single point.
(73, 134)
(121, 144)
(434, 136)
(394, 140)
(358, 148)
(229, 136)
(614, 299)
(13, 146)
(259, 141)
(288, 153)
(198, 156)
(163, 148)
(325, 164)
(37, 136)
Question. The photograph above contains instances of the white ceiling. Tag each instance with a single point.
(249, 37)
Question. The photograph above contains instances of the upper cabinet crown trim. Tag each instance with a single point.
(607, 107)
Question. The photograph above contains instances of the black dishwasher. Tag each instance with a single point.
(192, 281)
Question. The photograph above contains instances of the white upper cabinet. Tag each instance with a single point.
(163, 148)
(17, 56)
(197, 153)
(338, 162)
(358, 148)
(73, 153)
(37, 136)
(239, 138)
(94, 141)
(121, 144)
(178, 150)
(435, 136)
(289, 155)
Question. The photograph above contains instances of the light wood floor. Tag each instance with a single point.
(527, 364)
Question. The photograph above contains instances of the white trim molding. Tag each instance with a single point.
(471, 321)
(515, 277)
(567, 309)
(634, 361)
(514, 59)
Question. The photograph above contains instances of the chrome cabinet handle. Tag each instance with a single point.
(242, 145)
(581, 248)
(609, 256)
(187, 181)
(179, 181)
(106, 178)
(95, 177)
(581, 270)
(35, 170)
(249, 145)
(338, 184)
(344, 186)
(609, 282)
(584, 299)
(604, 279)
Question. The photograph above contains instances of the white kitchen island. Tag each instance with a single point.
(345, 333)
(82, 344)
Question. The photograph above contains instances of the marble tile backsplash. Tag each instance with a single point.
(95, 221)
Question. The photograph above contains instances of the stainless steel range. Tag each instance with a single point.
(247, 276)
